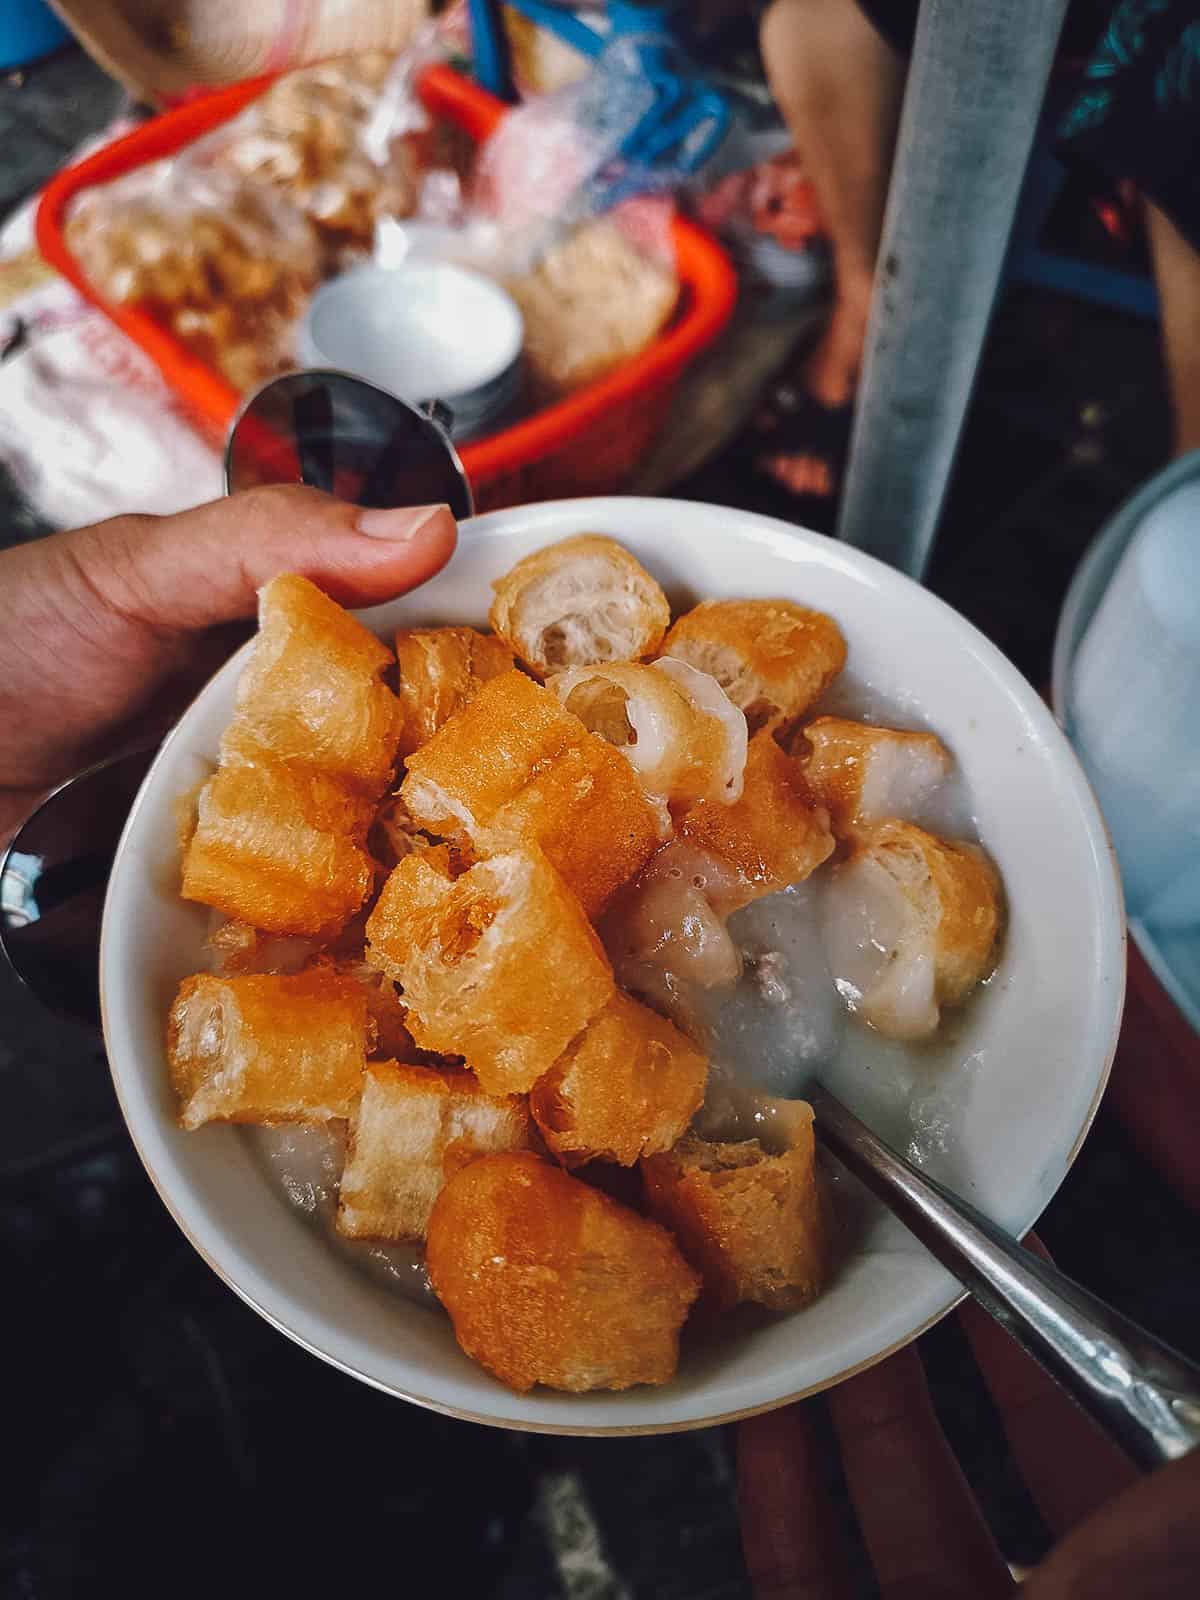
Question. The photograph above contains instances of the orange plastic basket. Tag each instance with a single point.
(588, 443)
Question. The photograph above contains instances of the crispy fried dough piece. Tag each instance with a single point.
(312, 692)
(755, 1225)
(771, 657)
(514, 768)
(588, 814)
(269, 1048)
(775, 834)
(549, 1281)
(440, 670)
(499, 966)
(578, 602)
(862, 774)
(238, 950)
(485, 755)
(683, 744)
(412, 1128)
(281, 828)
(911, 925)
(626, 1087)
(279, 847)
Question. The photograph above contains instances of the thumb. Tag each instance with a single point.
(201, 567)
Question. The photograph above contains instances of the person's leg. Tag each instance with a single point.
(1177, 273)
(838, 85)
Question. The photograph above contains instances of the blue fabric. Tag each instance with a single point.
(1137, 112)
(28, 30)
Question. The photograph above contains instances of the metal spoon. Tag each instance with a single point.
(52, 882)
(326, 429)
(1142, 1393)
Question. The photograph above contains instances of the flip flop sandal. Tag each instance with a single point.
(797, 424)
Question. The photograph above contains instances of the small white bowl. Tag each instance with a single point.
(429, 331)
(1031, 1052)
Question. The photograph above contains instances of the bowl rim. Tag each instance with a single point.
(605, 506)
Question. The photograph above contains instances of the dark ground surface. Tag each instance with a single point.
(162, 1439)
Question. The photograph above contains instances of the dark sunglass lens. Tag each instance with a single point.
(348, 438)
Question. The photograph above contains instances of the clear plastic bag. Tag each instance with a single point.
(226, 242)
(340, 162)
(226, 266)
(309, 139)
(594, 301)
(572, 156)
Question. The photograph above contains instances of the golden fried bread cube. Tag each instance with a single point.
(312, 692)
(679, 731)
(771, 657)
(279, 847)
(911, 924)
(510, 730)
(268, 1048)
(588, 814)
(578, 602)
(440, 670)
(755, 1225)
(625, 1088)
(515, 768)
(862, 774)
(547, 1280)
(592, 302)
(411, 1129)
(399, 927)
(774, 835)
(499, 966)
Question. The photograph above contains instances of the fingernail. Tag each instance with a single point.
(397, 522)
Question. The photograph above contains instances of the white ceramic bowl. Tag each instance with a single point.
(1030, 1056)
(430, 331)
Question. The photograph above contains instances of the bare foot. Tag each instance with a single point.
(831, 371)
(800, 474)
(828, 377)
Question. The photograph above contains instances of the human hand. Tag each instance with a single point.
(109, 630)
(1121, 1535)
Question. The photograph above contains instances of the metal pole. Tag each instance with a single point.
(975, 88)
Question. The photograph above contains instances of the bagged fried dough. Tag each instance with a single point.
(595, 301)
(228, 267)
(307, 139)
(225, 242)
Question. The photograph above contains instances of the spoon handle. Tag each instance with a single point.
(1143, 1394)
